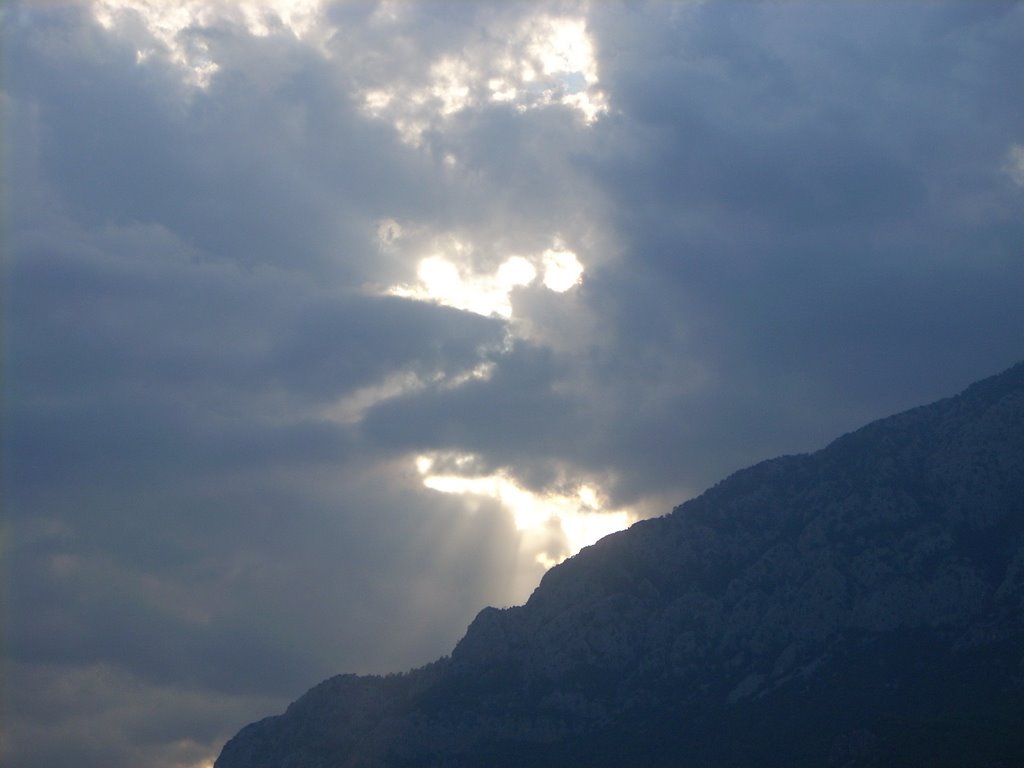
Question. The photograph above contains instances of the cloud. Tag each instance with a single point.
(522, 61)
(1015, 163)
(263, 259)
(111, 718)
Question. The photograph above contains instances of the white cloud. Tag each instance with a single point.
(528, 63)
(352, 407)
(1015, 163)
(168, 28)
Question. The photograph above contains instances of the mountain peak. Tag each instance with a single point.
(861, 605)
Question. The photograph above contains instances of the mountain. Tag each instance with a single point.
(859, 606)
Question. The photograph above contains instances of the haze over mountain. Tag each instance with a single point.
(859, 606)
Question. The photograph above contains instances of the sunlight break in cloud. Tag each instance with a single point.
(441, 281)
(449, 278)
(557, 525)
(544, 60)
(169, 26)
(562, 270)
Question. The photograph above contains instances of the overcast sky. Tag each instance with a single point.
(328, 324)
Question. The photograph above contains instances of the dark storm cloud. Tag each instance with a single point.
(517, 409)
(260, 168)
(138, 344)
(794, 218)
(816, 229)
(184, 301)
(815, 220)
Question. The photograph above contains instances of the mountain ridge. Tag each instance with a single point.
(814, 609)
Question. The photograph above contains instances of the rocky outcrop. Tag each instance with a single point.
(863, 605)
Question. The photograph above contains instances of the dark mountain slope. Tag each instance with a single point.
(860, 606)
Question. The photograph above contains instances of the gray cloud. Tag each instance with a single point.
(792, 219)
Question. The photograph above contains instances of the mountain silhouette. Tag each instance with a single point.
(859, 606)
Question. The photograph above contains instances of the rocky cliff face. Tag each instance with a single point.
(860, 606)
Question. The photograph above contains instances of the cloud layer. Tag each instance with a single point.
(327, 324)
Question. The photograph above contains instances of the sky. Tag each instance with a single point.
(327, 324)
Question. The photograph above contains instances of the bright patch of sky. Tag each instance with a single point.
(554, 525)
(538, 61)
(172, 27)
(449, 277)
(443, 282)
(562, 270)
(541, 61)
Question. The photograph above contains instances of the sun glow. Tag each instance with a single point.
(442, 282)
(558, 524)
(450, 276)
(562, 270)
